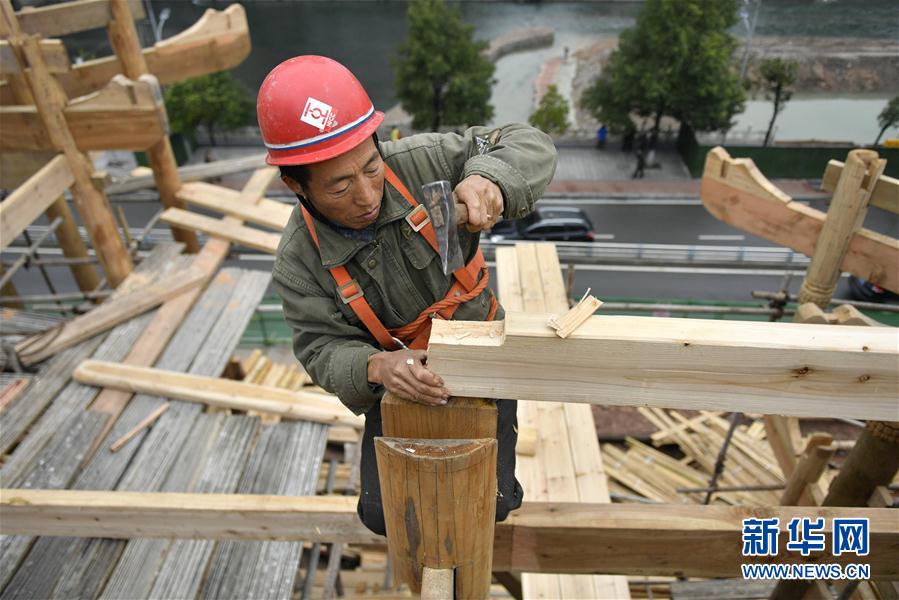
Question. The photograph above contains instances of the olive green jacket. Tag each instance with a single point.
(398, 271)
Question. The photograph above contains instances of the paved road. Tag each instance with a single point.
(658, 221)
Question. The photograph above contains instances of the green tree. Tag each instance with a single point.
(216, 101)
(888, 117)
(441, 76)
(675, 61)
(775, 76)
(551, 115)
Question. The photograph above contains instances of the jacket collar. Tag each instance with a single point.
(336, 250)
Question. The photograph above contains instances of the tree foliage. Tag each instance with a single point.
(216, 101)
(441, 76)
(551, 115)
(775, 76)
(888, 117)
(675, 61)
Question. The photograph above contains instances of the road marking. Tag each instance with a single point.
(603, 236)
(721, 238)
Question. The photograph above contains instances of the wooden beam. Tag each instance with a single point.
(131, 113)
(268, 213)
(885, 194)
(736, 192)
(55, 56)
(767, 368)
(219, 40)
(32, 198)
(232, 231)
(664, 539)
(109, 314)
(223, 393)
(71, 17)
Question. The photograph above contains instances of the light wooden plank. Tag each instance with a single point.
(254, 189)
(507, 282)
(571, 451)
(765, 368)
(55, 56)
(117, 310)
(221, 228)
(224, 393)
(737, 193)
(689, 540)
(268, 213)
(32, 198)
(885, 194)
(71, 17)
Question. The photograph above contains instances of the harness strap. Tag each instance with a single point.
(470, 281)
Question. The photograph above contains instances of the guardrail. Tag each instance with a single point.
(668, 254)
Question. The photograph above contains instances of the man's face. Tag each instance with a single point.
(346, 189)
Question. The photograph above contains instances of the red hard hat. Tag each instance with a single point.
(310, 109)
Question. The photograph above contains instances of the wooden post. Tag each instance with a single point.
(439, 505)
(125, 43)
(874, 460)
(9, 289)
(438, 487)
(72, 245)
(814, 460)
(845, 215)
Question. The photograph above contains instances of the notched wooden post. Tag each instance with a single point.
(438, 488)
(440, 504)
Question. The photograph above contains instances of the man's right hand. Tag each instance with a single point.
(404, 374)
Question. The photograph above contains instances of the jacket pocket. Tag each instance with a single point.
(416, 248)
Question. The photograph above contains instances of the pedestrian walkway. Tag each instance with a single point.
(578, 163)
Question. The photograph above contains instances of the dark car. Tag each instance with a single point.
(860, 289)
(547, 223)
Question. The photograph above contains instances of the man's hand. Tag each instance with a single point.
(404, 374)
(482, 198)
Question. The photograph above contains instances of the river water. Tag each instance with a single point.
(365, 35)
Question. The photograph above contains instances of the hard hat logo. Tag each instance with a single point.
(319, 115)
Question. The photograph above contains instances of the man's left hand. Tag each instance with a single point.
(483, 199)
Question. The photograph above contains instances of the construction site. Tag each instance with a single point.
(145, 452)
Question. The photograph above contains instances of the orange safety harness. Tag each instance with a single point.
(470, 281)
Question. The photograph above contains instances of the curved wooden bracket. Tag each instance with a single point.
(736, 192)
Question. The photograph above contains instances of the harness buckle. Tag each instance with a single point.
(416, 214)
(350, 291)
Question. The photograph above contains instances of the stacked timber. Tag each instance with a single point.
(643, 472)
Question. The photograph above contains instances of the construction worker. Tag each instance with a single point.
(357, 268)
